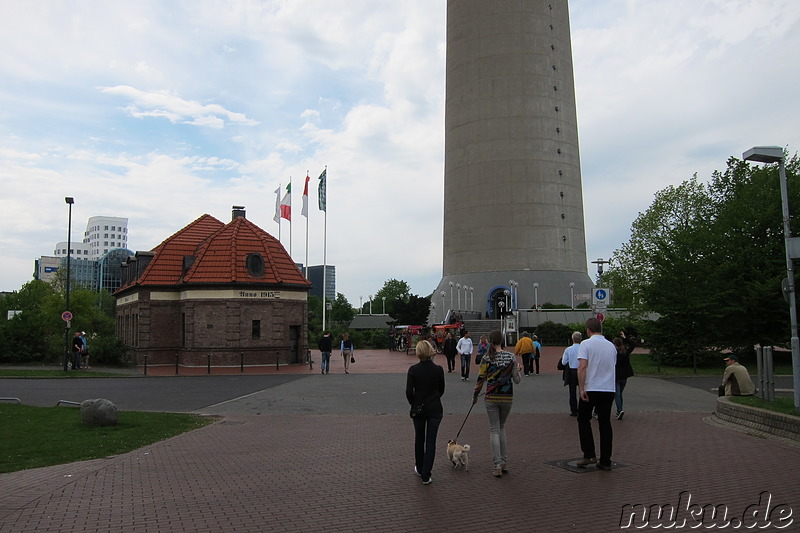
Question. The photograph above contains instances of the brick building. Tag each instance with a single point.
(230, 291)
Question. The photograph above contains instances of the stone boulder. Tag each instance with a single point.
(99, 412)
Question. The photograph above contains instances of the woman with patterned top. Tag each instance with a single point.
(499, 370)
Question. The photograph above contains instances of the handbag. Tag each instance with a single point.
(352, 359)
(417, 410)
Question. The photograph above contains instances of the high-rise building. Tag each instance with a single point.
(513, 204)
(95, 263)
(314, 274)
(102, 235)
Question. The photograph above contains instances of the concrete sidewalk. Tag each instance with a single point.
(334, 453)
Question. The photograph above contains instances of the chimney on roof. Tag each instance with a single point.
(238, 211)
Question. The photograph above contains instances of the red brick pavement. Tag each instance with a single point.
(355, 473)
(367, 361)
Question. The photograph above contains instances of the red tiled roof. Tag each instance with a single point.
(222, 257)
(166, 268)
(220, 252)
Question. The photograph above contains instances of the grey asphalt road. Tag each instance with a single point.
(173, 394)
(330, 394)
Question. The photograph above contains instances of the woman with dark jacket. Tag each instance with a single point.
(425, 387)
(449, 351)
(624, 370)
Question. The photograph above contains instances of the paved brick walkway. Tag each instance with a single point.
(333, 453)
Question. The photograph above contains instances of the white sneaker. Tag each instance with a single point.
(416, 472)
(430, 480)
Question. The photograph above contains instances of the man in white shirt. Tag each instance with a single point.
(570, 361)
(597, 359)
(464, 349)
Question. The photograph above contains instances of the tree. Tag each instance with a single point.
(341, 310)
(708, 260)
(396, 292)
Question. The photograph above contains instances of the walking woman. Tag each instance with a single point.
(425, 387)
(449, 350)
(624, 370)
(347, 351)
(499, 370)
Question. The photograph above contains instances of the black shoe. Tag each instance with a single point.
(586, 461)
(605, 468)
(620, 415)
(573, 414)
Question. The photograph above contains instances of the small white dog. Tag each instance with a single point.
(457, 453)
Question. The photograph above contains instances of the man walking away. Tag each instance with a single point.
(325, 348)
(464, 349)
(570, 361)
(597, 358)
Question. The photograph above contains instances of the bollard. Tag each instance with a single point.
(760, 365)
(145, 364)
(277, 361)
(209, 363)
(177, 360)
(241, 362)
(770, 374)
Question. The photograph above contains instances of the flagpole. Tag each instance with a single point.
(305, 204)
(278, 211)
(289, 192)
(325, 248)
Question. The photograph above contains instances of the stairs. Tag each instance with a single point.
(477, 328)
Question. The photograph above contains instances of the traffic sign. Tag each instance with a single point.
(66, 316)
(600, 297)
(584, 296)
(601, 317)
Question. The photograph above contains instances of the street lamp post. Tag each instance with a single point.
(472, 298)
(600, 262)
(433, 311)
(451, 295)
(69, 200)
(466, 289)
(774, 154)
(384, 304)
(458, 294)
(536, 296)
(444, 313)
(370, 304)
(572, 294)
(360, 305)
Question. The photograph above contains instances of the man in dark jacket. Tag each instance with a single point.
(325, 347)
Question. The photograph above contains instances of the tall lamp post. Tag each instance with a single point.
(384, 304)
(451, 295)
(370, 304)
(572, 295)
(69, 200)
(472, 298)
(360, 305)
(536, 296)
(444, 313)
(458, 292)
(774, 154)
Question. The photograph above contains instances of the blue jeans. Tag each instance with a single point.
(326, 361)
(498, 413)
(425, 430)
(465, 365)
(618, 396)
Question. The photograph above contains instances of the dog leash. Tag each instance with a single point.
(465, 418)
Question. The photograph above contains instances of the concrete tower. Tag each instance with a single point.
(513, 206)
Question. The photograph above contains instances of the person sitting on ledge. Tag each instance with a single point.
(736, 380)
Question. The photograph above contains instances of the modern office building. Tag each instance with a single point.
(513, 201)
(315, 276)
(102, 235)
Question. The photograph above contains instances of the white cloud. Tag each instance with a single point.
(177, 109)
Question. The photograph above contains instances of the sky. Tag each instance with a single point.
(164, 111)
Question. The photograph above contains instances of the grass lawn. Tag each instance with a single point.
(780, 405)
(46, 436)
(643, 365)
